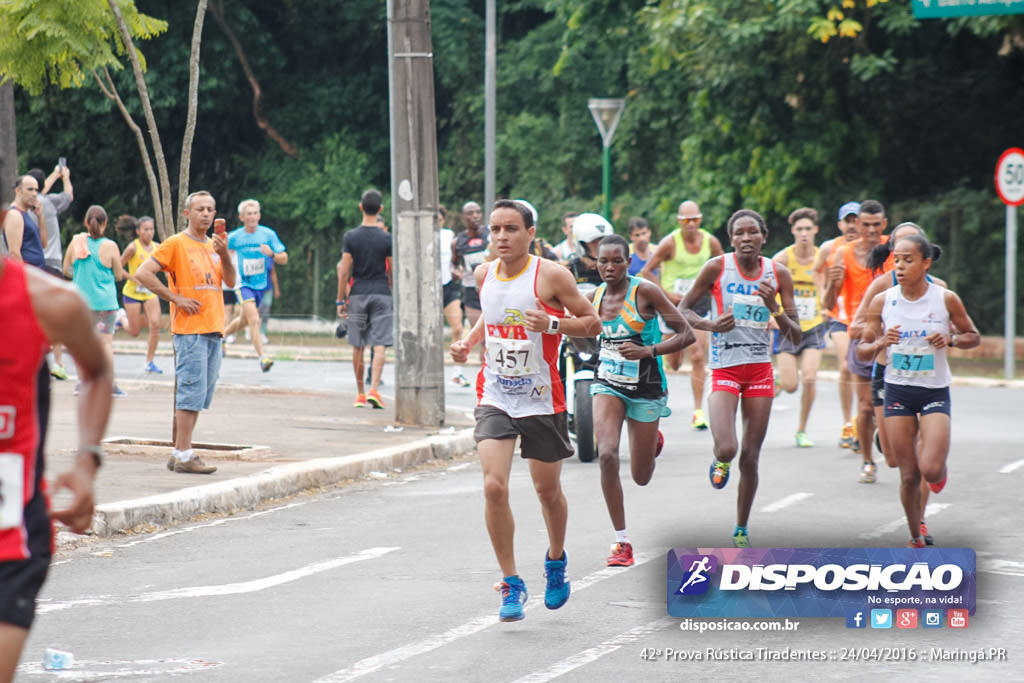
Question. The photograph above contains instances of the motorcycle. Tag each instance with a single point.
(579, 357)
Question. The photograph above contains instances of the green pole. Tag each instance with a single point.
(606, 181)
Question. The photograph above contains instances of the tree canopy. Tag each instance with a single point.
(766, 105)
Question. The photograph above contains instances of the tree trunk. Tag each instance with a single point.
(165, 223)
(8, 143)
(193, 104)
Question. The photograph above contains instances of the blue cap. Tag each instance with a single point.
(848, 208)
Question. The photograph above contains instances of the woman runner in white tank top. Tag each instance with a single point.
(916, 316)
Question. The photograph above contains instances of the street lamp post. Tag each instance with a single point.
(606, 113)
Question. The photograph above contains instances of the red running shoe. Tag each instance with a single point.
(661, 444)
(917, 543)
(622, 555)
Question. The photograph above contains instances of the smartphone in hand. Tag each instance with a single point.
(220, 227)
(62, 162)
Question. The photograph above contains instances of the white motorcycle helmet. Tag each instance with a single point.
(589, 227)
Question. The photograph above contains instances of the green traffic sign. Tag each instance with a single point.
(936, 9)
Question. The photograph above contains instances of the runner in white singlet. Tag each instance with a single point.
(915, 316)
(524, 301)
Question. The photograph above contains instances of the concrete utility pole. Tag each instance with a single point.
(419, 346)
(8, 143)
(490, 104)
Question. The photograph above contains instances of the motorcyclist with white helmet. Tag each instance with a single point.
(588, 230)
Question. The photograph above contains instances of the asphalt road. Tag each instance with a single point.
(391, 579)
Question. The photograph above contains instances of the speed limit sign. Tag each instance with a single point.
(1010, 177)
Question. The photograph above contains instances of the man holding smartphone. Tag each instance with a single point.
(195, 266)
(53, 204)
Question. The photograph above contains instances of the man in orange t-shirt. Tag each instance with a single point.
(195, 266)
(849, 277)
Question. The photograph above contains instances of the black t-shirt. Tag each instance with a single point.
(471, 252)
(583, 274)
(369, 247)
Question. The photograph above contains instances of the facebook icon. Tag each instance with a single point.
(856, 619)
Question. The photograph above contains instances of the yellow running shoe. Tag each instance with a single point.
(699, 420)
(847, 436)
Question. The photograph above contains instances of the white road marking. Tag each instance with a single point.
(150, 538)
(223, 589)
(594, 653)
(1011, 467)
(792, 499)
(889, 527)
(400, 654)
(1004, 567)
(463, 466)
(102, 670)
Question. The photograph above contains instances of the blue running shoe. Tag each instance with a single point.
(557, 591)
(719, 474)
(513, 596)
(152, 368)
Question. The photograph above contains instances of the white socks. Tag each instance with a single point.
(183, 456)
(621, 536)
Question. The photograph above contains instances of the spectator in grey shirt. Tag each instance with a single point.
(52, 205)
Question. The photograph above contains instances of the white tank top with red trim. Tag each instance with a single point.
(750, 341)
(520, 372)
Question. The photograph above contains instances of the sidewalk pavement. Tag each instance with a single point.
(298, 440)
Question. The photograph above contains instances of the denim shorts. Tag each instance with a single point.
(197, 360)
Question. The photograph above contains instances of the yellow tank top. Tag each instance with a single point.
(805, 291)
(678, 274)
(132, 290)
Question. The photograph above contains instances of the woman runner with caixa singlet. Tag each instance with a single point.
(880, 260)
(630, 384)
(912, 321)
(743, 285)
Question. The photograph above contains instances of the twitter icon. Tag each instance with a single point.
(881, 618)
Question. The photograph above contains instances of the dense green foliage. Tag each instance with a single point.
(730, 102)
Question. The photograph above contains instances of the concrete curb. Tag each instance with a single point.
(276, 482)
